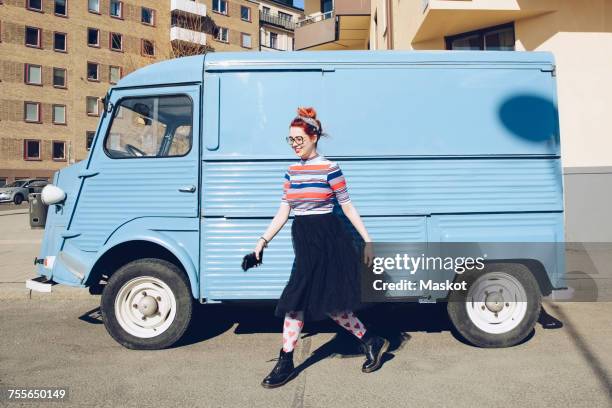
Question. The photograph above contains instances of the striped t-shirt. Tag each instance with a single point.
(311, 185)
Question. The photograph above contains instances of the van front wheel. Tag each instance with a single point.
(147, 304)
(499, 308)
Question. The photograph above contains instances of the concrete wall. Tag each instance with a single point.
(588, 213)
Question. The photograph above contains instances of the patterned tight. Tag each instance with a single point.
(294, 321)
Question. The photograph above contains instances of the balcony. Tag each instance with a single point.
(277, 21)
(184, 34)
(188, 6)
(346, 27)
(440, 18)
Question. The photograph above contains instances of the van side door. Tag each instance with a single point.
(143, 172)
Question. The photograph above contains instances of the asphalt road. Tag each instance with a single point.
(58, 340)
(227, 351)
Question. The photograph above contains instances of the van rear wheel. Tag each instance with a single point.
(147, 304)
(499, 308)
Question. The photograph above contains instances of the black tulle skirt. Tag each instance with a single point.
(326, 272)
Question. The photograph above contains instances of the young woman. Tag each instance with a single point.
(325, 279)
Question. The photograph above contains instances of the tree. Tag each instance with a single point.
(194, 29)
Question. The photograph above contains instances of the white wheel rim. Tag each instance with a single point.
(145, 307)
(496, 302)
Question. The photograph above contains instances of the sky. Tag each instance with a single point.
(298, 3)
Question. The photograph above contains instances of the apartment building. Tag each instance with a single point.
(57, 58)
(278, 19)
(237, 22)
(334, 25)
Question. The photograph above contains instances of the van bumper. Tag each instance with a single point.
(40, 284)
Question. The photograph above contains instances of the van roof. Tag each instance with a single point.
(189, 69)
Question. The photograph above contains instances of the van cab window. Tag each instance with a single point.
(159, 126)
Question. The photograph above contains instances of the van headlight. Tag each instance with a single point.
(52, 194)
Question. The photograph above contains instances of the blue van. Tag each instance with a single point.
(186, 170)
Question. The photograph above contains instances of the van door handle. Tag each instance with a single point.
(187, 189)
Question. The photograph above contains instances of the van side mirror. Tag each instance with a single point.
(52, 195)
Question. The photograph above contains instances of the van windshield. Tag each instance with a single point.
(159, 126)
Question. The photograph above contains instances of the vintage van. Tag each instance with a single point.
(186, 168)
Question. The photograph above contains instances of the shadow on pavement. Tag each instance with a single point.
(391, 320)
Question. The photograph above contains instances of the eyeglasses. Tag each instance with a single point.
(298, 139)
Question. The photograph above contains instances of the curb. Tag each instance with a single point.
(18, 291)
(13, 212)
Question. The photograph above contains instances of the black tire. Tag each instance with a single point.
(18, 199)
(458, 314)
(168, 273)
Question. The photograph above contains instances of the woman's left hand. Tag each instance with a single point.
(368, 254)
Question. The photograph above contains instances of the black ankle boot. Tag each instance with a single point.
(282, 372)
(374, 347)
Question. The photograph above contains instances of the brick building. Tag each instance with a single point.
(56, 58)
(238, 22)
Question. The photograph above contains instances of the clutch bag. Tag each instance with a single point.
(250, 260)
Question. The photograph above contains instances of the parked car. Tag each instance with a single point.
(17, 191)
(186, 171)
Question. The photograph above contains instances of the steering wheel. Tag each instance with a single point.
(134, 151)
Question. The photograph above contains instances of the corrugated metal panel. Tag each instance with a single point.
(128, 189)
(226, 241)
(395, 187)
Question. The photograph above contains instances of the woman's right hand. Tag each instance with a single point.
(259, 247)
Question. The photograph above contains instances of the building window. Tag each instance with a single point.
(31, 112)
(60, 42)
(222, 34)
(497, 38)
(116, 8)
(148, 48)
(32, 37)
(59, 150)
(59, 114)
(147, 16)
(31, 149)
(116, 42)
(93, 71)
(35, 5)
(245, 40)
(93, 6)
(33, 74)
(89, 138)
(92, 106)
(274, 40)
(60, 8)
(114, 74)
(59, 77)
(328, 5)
(93, 37)
(220, 6)
(266, 10)
(245, 13)
(285, 16)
